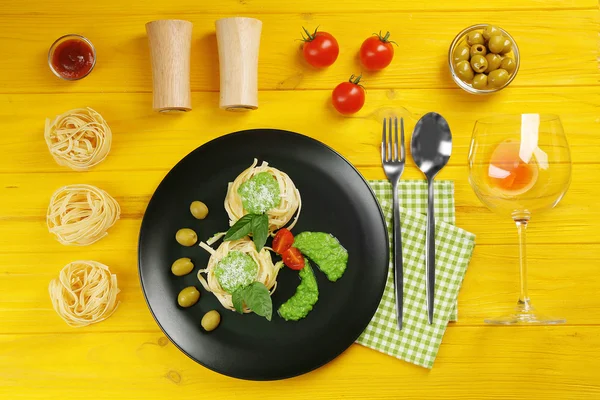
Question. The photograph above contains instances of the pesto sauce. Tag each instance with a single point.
(301, 303)
(260, 193)
(236, 270)
(325, 251)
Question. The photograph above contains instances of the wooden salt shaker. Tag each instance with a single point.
(238, 39)
(170, 45)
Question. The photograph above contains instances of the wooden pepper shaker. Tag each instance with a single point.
(170, 45)
(238, 39)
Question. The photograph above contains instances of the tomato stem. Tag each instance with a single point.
(385, 38)
(309, 37)
(355, 80)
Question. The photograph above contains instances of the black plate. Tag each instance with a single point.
(335, 199)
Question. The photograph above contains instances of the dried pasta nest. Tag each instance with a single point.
(81, 214)
(84, 293)
(78, 139)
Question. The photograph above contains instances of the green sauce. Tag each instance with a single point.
(301, 303)
(236, 270)
(325, 250)
(260, 193)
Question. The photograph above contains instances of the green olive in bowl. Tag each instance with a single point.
(498, 78)
(464, 71)
(462, 53)
(479, 63)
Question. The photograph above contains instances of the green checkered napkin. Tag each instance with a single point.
(418, 342)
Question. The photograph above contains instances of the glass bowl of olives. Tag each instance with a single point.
(483, 59)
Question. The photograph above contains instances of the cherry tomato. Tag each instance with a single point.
(293, 258)
(320, 48)
(348, 97)
(377, 52)
(284, 239)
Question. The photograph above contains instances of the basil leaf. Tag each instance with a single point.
(260, 230)
(241, 228)
(237, 298)
(258, 299)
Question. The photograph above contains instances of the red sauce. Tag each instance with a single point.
(73, 59)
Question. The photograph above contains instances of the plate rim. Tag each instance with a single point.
(382, 284)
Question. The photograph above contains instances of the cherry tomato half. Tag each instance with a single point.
(348, 97)
(377, 52)
(320, 48)
(293, 258)
(284, 239)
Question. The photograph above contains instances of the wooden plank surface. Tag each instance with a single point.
(421, 60)
(146, 366)
(128, 357)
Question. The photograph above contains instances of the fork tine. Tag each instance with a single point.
(383, 144)
(396, 137)
(390, 141)
(403, 155)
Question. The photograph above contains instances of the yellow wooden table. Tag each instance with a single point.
(127, 356)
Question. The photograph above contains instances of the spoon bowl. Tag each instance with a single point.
(431, 144)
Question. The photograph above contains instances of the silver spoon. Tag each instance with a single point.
(431, 147)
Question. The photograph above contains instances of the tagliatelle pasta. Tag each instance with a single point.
(78, 139)
(279, 216)
(81, 214)
(84, 293)
(267, 271)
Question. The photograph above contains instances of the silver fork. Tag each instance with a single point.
(393, 165)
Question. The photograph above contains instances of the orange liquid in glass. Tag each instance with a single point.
(506, 169)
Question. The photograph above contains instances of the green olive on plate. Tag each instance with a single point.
(474, 38)
(479, 63)
(462, 53)
(198, 209)
(186, 237)
(494, 61)
(490, 31)
(464, 71)
(480, 81)
(182, 266)
(478, 49)
(508, 64)
(498, 78)
(188, 296)
(496, 44)
(211, 320)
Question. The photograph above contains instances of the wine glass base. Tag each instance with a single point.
(525, 316)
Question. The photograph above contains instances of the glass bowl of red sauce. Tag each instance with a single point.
(72, 57)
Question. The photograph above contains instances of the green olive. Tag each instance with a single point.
(198, 209)
(491, 30)
(498, 78)
(507, 46)
(182, 266)
(479, 63)
(188, 296)
(211, 320)
(480, 81)
(478, 49)
(186, 237)
(496, 44)
(508, 64)
(494, 61)
(474, 38)
(461, 53)
(464, 71)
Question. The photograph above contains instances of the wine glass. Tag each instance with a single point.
(520, 165)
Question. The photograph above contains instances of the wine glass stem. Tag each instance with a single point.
(524, 302)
